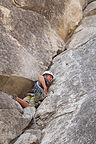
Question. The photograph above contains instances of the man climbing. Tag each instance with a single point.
(38, 93)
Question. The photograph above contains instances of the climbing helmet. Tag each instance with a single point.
(48, 73)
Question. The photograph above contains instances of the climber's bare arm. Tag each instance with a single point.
(43, 83)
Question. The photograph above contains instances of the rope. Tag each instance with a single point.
(36, 127)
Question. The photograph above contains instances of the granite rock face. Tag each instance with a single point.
(31, 36)
(63, 15)
(91, 9)
(27, 45)
(71, 118)
(68, 114)
(84, 3)
(27, 138)
(13, 119)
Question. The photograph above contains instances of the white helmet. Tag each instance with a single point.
(49, 73)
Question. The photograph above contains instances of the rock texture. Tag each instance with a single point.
(29, 37)
(27, 138)
(91, 9)
(14, 84)
(84, 3)
(67, 116)
(63, 15)
(30, 41)
(27, 43)
(26, 30)
(13, 119)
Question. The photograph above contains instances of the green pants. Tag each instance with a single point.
(30, 100)
(34, 99)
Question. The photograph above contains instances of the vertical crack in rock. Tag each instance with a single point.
(14, 2)
(73, 107)
(33, 7)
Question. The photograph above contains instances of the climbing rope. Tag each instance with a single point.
(35, 126)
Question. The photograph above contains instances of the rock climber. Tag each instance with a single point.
(39, 92)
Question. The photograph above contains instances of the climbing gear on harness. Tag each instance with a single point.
(48, 73)
(14, 96)
(35, 98)
(39, 94)
(36, 94)
(30, 94)
(30, 99)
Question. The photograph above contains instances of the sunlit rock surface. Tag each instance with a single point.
(67, 116)
(27, 45)
(27, 48)
(13, 119)
(63, 15)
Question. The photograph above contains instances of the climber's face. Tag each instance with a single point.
(49, 78)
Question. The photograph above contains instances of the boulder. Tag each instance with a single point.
(90, 9)
(86, 31)
(30, 34)
(15, 85)
(27, 46)
(84, 3)
(13, 119)
(63, 16)
(67, 115)
(27, 138)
